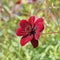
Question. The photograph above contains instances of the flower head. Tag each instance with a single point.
(34, 0)
(19, 2)
(30, 30)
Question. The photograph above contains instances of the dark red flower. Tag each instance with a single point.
(19, 2)
(34, 0)
(30, 30)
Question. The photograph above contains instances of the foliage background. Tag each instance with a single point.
(49, 41)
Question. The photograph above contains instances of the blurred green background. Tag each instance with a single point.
(49, 41)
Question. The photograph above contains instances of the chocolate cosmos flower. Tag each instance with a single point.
(30, 30)
(19, 2)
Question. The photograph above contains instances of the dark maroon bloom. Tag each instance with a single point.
(30, 30)
(19, 2)
(34, 0)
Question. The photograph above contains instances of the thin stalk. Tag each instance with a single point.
(52, 33)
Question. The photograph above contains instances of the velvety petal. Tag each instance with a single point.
(23, 23)
(20, 32)
(38, 28)
(26, 39)
(39, 25)
(39, 20)
(31, 20)
(34, 43)
(37, 35)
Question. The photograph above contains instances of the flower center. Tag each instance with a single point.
(32, 31)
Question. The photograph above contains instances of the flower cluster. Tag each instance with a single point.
(30, 30)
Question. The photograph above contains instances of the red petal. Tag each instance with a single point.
(37, 35)
(39, 25)
(34, 43)
(31, 20)
(24, 40)
(23, 23)
(20, 32)
(39, 20)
